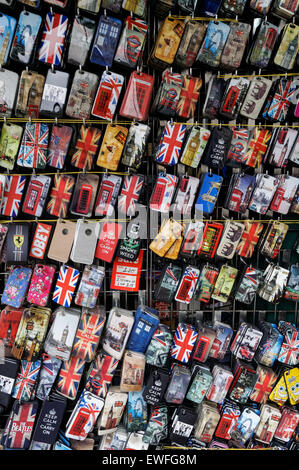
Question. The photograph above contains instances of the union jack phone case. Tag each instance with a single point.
(266, 379)
(19, 426)
(171, 142)
(25, 384)
(84, 416)
(65, 285)
(189, 97)
(86, 148)
(107, 96)
(279, 105)
(60, 141)
(183, 342)
(105, 42)
(53, 39)
(69, 377)
(88, 333)
(137, 99)
(130, 194)
(187, 285)
(60, 195)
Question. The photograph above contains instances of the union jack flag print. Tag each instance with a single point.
(65, 286)
(26, 379)
(84, 416)
(264, 384)
(69, 377)
(108, 95)
(189, 97)
(12, 196)
(86, 147)
(169, 149)
(163, 192)
(183, 342)
(47, 377)
(35, 145)
(289, 352)
(281, 101)
(130, 194)
(249, 239)
(88, 335)
(53, 39)
(60, 195)
(187, 285)
(19, 426)
(101, 375)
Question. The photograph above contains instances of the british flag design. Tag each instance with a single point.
(86, 147)
(35, 145)
(12, 196)
(183, 342)
(88, 335)
(69, 377)
(289, 352)
(26, 380)
(108, 95)
(163, 192)
(84, 416)
(264, 384)
(65, 286)
(19, 426)
(130, 194)
(60, 195)
(101, 374)
(47, 377)
(257, 147)
(279, 107)
(249, 239)
(189, 97)
(53, 39)
(169, 149)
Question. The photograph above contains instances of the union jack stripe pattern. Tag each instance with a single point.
(69, 377)
(289, 352)
(12, 196)
(60, 195)
(53, 39)
(33, 153)
(183, 342)
(257, 147)
(249, 239)
(264, 384)
(88, 335)
(169, 149)
(101, 375)
(189, 97)
(19, 426)
(86, 147)
(26, 380)
(65, 286)
(130, 194)
(47, 377)
(281, 101)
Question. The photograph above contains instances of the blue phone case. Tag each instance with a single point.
(208, 193)
(106, 40)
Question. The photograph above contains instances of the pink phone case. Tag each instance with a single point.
(40, 286)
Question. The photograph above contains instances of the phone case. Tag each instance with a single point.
(60, 338)
(240, 192)
(8, 90)
(34, 146)
(107, 95)
(183, 342)
(243, 383)
(210, 239)
(208, 193)
(246, 342)
(270, 344)
(65, 285)
(82, 95)
(136, 414)
(25, 39)
(201, 382)
(274, 283)
(40, 286)
(233, 97)
(207, 420)
(263, 45)
(206, 282)
(24, 388)
(85, 241)
(36, 195)
(90, 285)
(190, 44)
(263, 193)
(84, 416)
(86, 147)
(91, 6)
(88, 333)
(83, 30)
(113, 5)
(60, 195)
(137, 99)
(29, 94)
(110, 233)
(167, 43)
(69, 377)
(130, 194)
(19, 426)
(185, 195)
(171, 142)
(214, 94)
(107, 195)
(224, 283)
(132, 374)
(53, 40)
(288, 48)
(187, 285)
(255, 97)
(285, 193)
(189, 97)
(273, 239)
(266, 379)
(131, 44)
(269, 419)
(195, 145)
(114, 407)
(117, 331)
(235, 45)
(284, 9)
(84, 194)
(211, 49)
(222, 379)
(159, 346)
(62, 241)
(16, 244)
(218, 147)
(106, 40)
(248, 285)
(16, 287)
(54, 93)
(230, 413)
(178, 385)
(136, 145)
(48, 373)
(280, 104)
(222, 340)
(282, 144)
(231, 236)
(10, 140)
(292, 291)
(287, 425)
(112, 146)
(192, 238)
(168, 95)
(288, 353)
(8, 26)
(291, 378)
(8, 373)
(260, 7)
(246, 425)
(129, 247)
